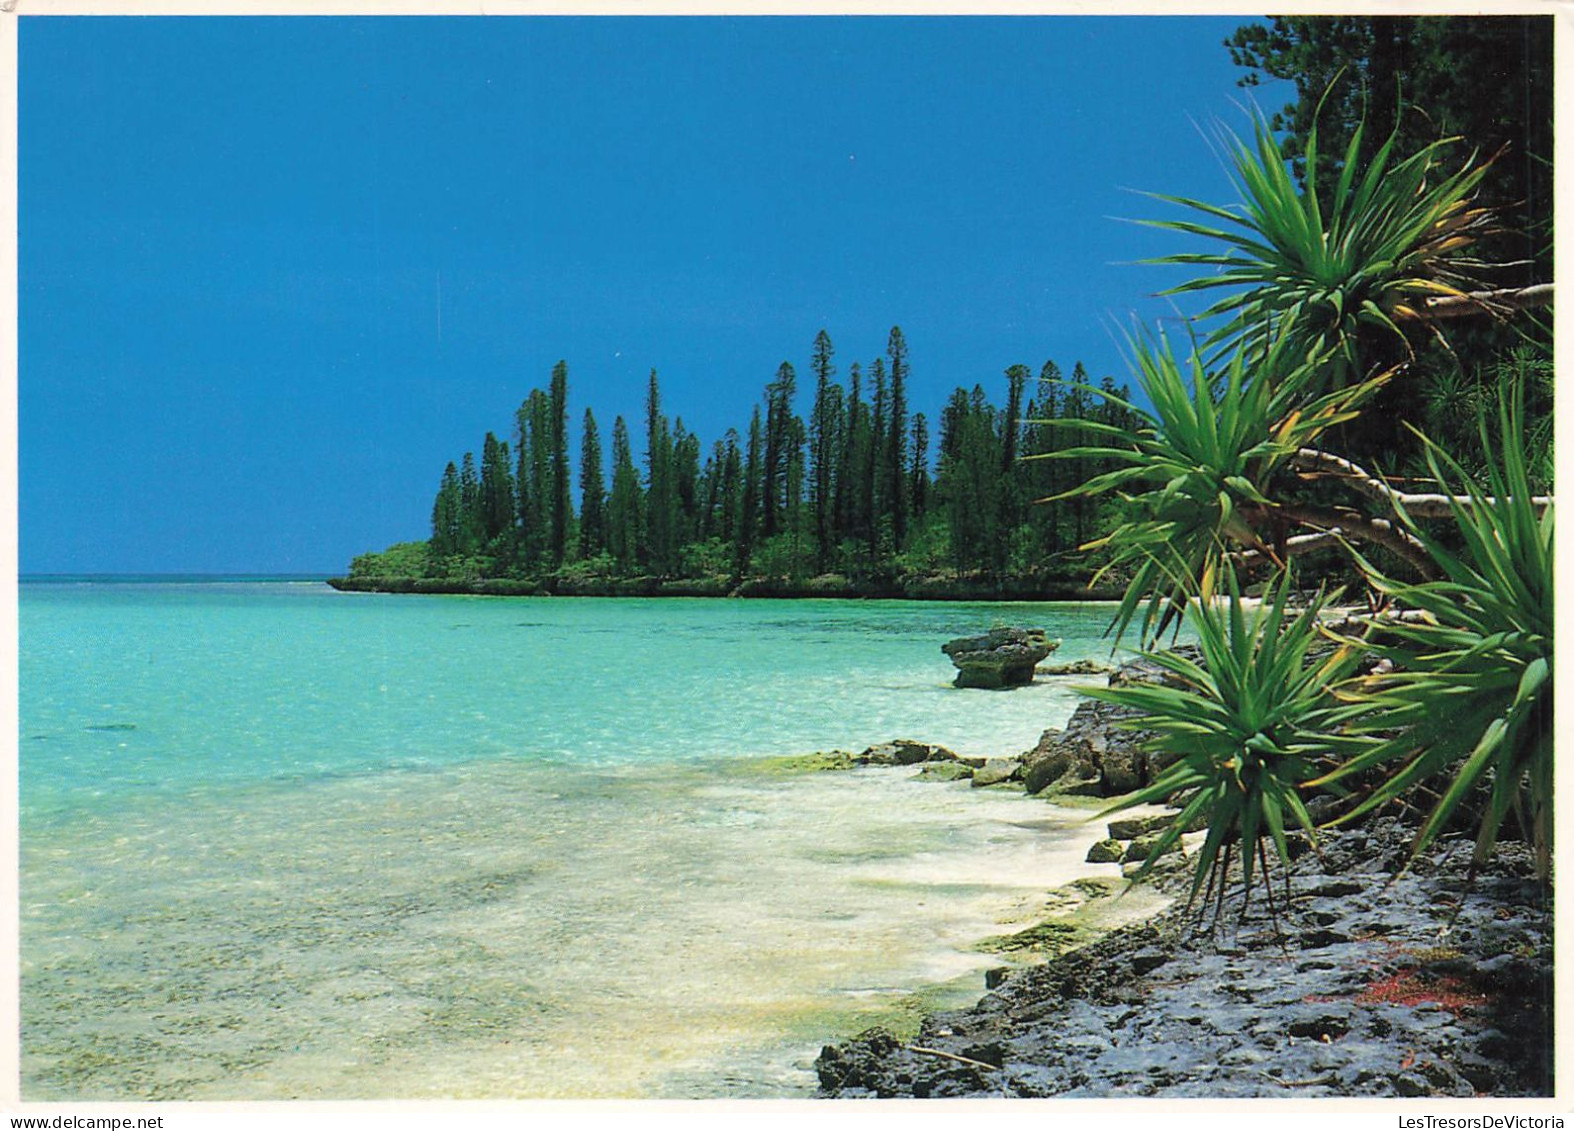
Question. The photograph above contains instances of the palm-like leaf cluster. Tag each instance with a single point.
(1387, 238)
(1464, 706)
(1197, 466)
(1251, 725)
(1470, 696)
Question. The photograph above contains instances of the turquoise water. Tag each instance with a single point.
(143, 688)
(283, 842)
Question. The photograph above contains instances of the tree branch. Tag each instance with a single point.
(1299, 544)
(1415, 505)
(1354, 524)
(955, 1057)
(1484, 302)
(1353, 621)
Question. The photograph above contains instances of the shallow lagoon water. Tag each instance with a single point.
(279, 842)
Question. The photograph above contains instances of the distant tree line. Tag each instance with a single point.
(859, 488)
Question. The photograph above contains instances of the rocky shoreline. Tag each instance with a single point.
(1378, 977)
(827, 586)
(1371, 982)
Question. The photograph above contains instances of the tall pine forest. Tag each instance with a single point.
(835, 485)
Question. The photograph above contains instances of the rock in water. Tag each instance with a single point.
(1106, 852)
(1002, 657)
(904, 752)
(943, 771)
(997, 770)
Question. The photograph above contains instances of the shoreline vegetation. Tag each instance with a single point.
(827, 586)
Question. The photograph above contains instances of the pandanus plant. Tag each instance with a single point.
(1248, 727)
(1467, 690)
(1198, 465)
(1226, 468)
(1390, 238)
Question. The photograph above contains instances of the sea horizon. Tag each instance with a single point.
(177, 576)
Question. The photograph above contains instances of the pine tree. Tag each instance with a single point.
(970, 480)
(562, 506)
(1076, 407)
(623, 526)
(1013, 474)
(660, 509)
(896, 471)
(919, 481)
(793, 485)
(708, 494)
(472, 524)
(685, 498)
(748, 512)
(849, 477)
(446, 512)
(1047, 476)
(525, 503)
(1016, 384)
(826, 444)
(592, 492)
(497, 491)
(731, 489)
(879, 515)
(538, 536)
(778, 427)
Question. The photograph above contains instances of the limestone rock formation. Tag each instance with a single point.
(1002, 657)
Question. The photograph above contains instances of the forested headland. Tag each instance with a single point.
(830, 489)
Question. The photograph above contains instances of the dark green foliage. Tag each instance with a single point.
(793, 485)
(970, 458)
(918, 482)
(729, 501)
(403, 560)
(623, 508)
(472, 521)
(685, 468)
(1453, 401)
(826, 425)
(1014, 493)
(749, 502)
(497, 492)
(893, 454)
(592, 491)
(1248, 727)
(534, 479)
(871, 469)
(779, 436)
(446, 514)
(561, 506)
(846, 493)
(660, 487)
(855, 508)
(1486, 79)
(1469, 696)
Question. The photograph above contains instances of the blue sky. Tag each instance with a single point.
(275, 273)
